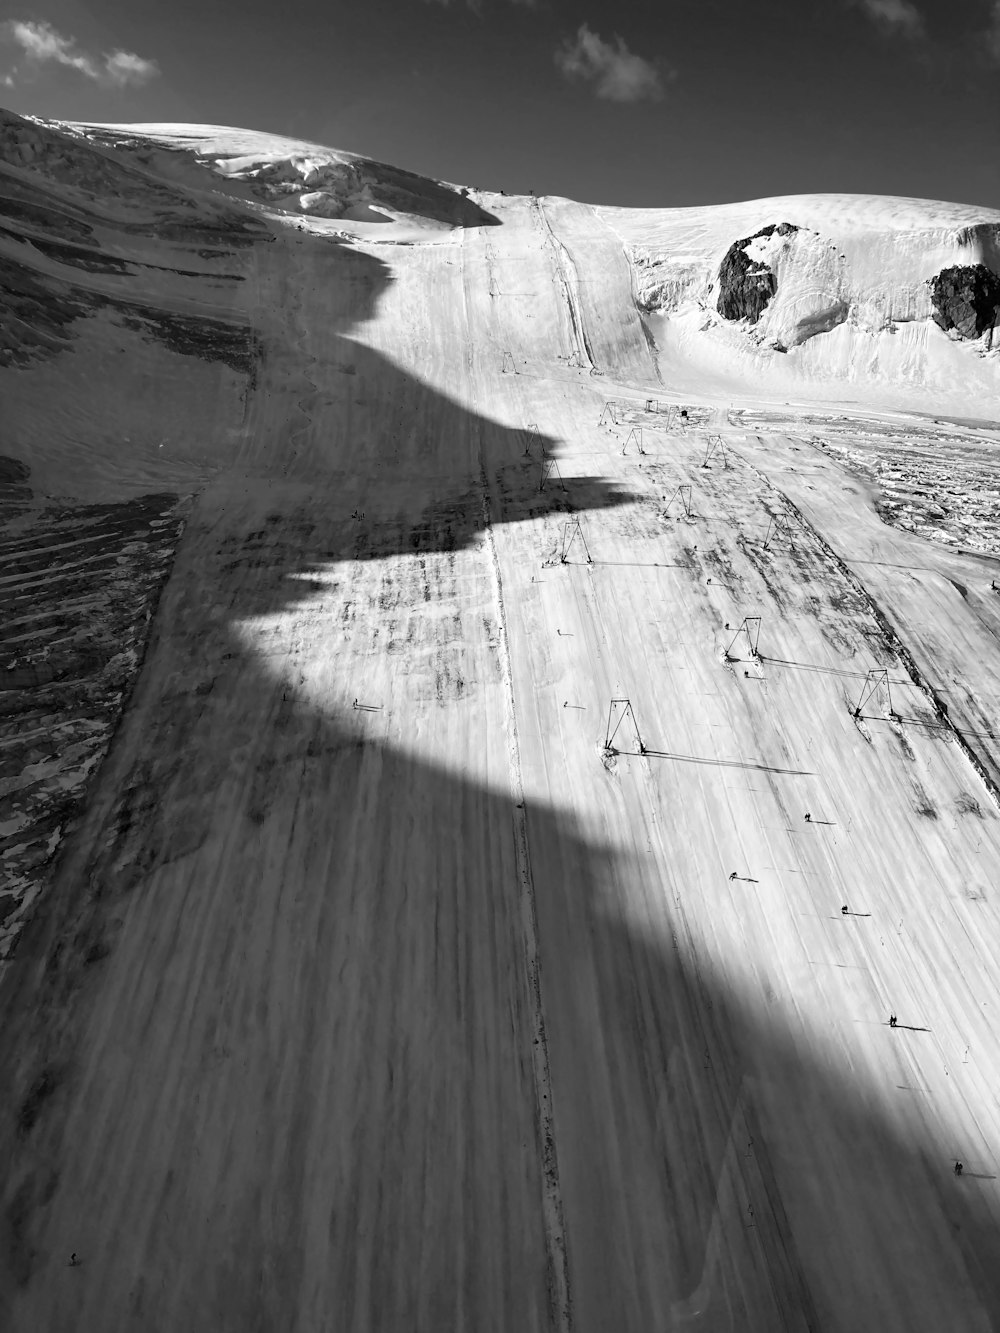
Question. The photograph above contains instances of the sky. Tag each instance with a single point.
(649, 103)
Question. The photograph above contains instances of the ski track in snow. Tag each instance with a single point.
(552, 1201)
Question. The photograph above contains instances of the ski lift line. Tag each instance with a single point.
(683, 492)
(777, 525)
(573, 530)
(550, 471)
(876, 680)
(716, 446)
(626, 711)
(826, 670)
(750, 627)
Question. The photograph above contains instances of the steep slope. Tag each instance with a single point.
(357, 981)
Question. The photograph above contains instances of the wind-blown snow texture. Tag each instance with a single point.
(348, 980)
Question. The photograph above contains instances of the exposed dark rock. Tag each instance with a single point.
(821, 321)
(17, 206)
(746, 285)
(81, 585)
(236, 345)
(38, 309)
(966, 298)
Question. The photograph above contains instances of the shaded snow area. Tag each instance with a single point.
(499, 752)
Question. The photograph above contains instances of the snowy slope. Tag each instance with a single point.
(301, 179)
(351, 980)
(852, 312)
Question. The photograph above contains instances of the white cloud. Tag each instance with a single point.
(41, 43)
(616, 73)
(123, 67)
(900, 16)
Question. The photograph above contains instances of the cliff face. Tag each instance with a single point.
(966, 298)
(746, 283)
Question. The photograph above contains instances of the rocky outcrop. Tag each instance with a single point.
(966, 298)
(38, 310)
(746, 285)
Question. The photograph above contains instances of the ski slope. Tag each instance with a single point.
(359, 986)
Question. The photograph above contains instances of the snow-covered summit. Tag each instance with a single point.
(295, 176)
(841, 286)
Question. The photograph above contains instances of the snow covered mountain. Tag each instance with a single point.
(850, 307)
(499, 762)
(848, 281)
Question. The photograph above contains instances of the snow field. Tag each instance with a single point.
(352, 805)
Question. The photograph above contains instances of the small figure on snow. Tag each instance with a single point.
(74, 1262)
(734, 875)
(843, 910)
(892, 1020)
(809, 818)
(959, 1168)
